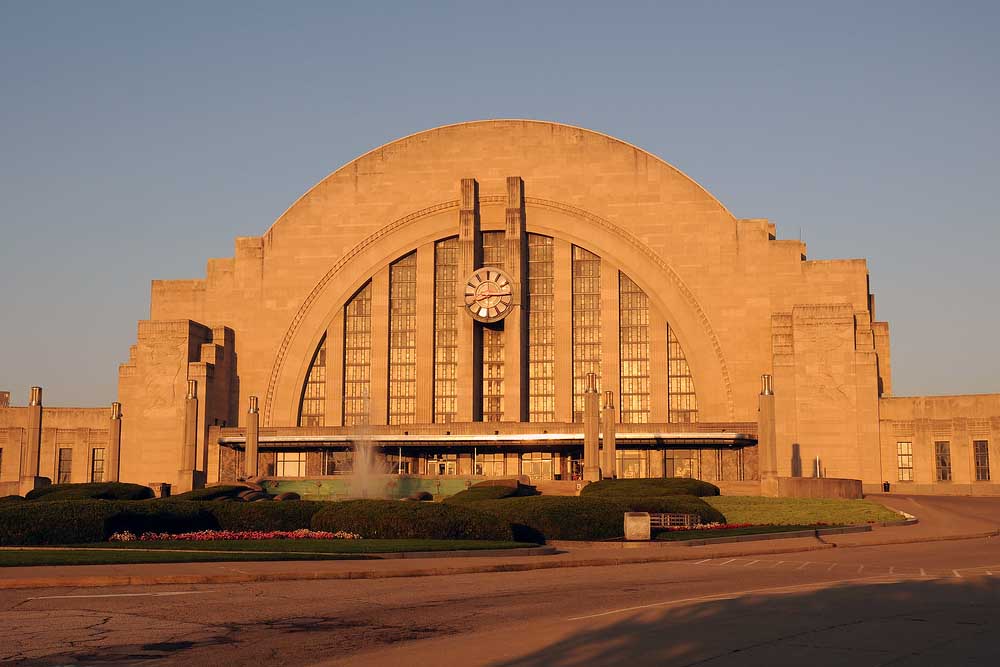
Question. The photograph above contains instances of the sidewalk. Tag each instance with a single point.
(938, 521)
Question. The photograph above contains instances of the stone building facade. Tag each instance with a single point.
(468, 297)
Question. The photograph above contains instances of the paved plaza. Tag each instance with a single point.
(845, 599)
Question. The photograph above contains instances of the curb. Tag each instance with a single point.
(542, 550)
(918, 540)
(763, 537)
(242, 578)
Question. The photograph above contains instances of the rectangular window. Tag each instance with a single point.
(329, 462)
(490, 465)
(541, 342)
(357, 356)
(291, 464)
(632, 463)
(904, 461)
(445, 331)
(586, 324)
(403, 340)
(683, 463)
(981, 453)
(64, 469)
(537, 465)
(942, 461)
(97, 465)
(633, 335)
(442, 464)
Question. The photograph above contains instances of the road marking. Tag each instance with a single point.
(957, 574)
(727, 596)
(703, 561)
(728, 561)
(922, 573)
(860, 567)
(119, 595)
(803, 566)
(778, 563)
(751, 563)
(892, 570)
(831, 567)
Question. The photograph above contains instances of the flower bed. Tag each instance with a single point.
(206, 535)
(707, 526)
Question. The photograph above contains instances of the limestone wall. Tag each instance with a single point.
(957, 420)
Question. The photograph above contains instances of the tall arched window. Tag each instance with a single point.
(312, 409)
(683, 403)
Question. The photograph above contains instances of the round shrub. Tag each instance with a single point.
(636, 488)
(91, 491)
(475, 493)
(212, 492)
(11, 499)
(421, 496)
(392, 519)
(287, 495)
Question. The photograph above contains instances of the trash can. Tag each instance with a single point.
(885, 487)
(637, 526)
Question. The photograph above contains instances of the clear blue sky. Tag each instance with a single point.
(137, 139)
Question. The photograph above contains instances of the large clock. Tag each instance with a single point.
(489, 294)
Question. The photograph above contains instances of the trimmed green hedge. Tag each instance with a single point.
(393, 519)
(11, 499)
(636, 488)
(541, 518)
(211, 492)
(91, 491)
(79, 521)
(265, 515)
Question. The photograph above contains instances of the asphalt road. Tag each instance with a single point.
(917, 604)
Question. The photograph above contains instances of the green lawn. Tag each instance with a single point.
(680, 535)
(108, 553)
(799, 511)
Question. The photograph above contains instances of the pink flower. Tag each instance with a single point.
(206, 535)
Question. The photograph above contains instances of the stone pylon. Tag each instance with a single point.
(591, 431)
(250, 457)
(608, 437)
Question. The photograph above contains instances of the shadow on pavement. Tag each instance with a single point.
(939, 622)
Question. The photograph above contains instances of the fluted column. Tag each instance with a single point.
(189, 448)
(114, 443)
(767, 438)
(608, 437)
(32, 449)
(30, 459)
(250, 456)
(591, 431)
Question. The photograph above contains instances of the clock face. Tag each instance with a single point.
(488, 294)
